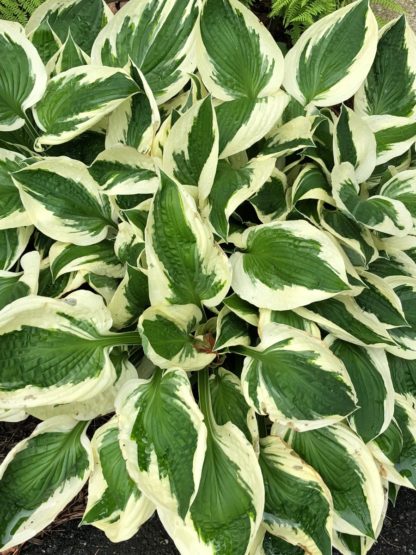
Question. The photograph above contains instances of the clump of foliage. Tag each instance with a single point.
(215, 246)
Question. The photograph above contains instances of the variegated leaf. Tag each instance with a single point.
(390, 87)
(294, 378)
(68, 56)
(163, 438)
(185, 265)
(286, 265)
(271, 200)
(298, 504)
(56, 350)
(402, 187)
(321, 72)
(168, 340)
(231, 330)
(13, 243)
(12, 212)
(394, 136)
(242, 309)
(130, 299)
(311, 183)
(404, 336)
(377, 212)
(158, 36)
(296, 134)
(36, 481)
(288, 318)
(115, 504)
(77, 99)
(64, 202)
(15, 285)
(225, 25)
(22, 76)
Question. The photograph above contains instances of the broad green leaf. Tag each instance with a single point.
(115, 504)
(292, 136)
(136, 120)
(77, 99)
(286, 265)
(55, 351)
(82, 18)
(354, 142)
(163, 438)
(13, 243)
(231, 330)
(229, 404)
(390, 87)
(355, 239)
(22, 76)
(242, 309)
(15, 285)
(379, 298)
(405, 336)
(348, 469)
(402, 187)
(40, 476)
(190, 153)
(227, 509)
(394, 136)
(345, 319)
(244, 121)
(99, 258)
(121, 170)
(231, 187)
(130, 299)
(227, 26)
(271, 200)
(311, 183)
(185, 265)
(396, 448)
(331, 59)
(376, 212)
(98, 405)
(298, 504)
(64, 202)
(294, 378)
(168, 340)
(158, 36)
(369, 372)
(12, 212)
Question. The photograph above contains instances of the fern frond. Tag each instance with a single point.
(18, 10)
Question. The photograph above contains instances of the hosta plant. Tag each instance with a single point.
(209, 250)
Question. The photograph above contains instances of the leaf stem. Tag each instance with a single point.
(124, 338)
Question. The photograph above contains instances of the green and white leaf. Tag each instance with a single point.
(369, 372)
(229, 405)
(394, 136)
(288, 318)
(77, 99)
(231, 187)
(22, 76)
(242, 309)
(404, 336)
(227, 509)
(377, 212)
(121, 170)
(15, 285)
(12, 415)
(40, 476)
(159, 38)
(64, 202)
(12, 212)
(271, 202)
(231, 330)
(292, 136)
(346, 320)
(163, 438)
(348, 469)
(390, 87)
(98, 258)
(13, 243)
(321, 72)
(167, 337)
(311, 183)
(115, 504)
(136, 120)
(190, 154)
(295, 379)
(83, 18)
(298, 504)
(226, 25)
(68, 56)
(185, 265)
(56, 351)
(130, 299)
(402, 187)
(354, 142)
(285, 265)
